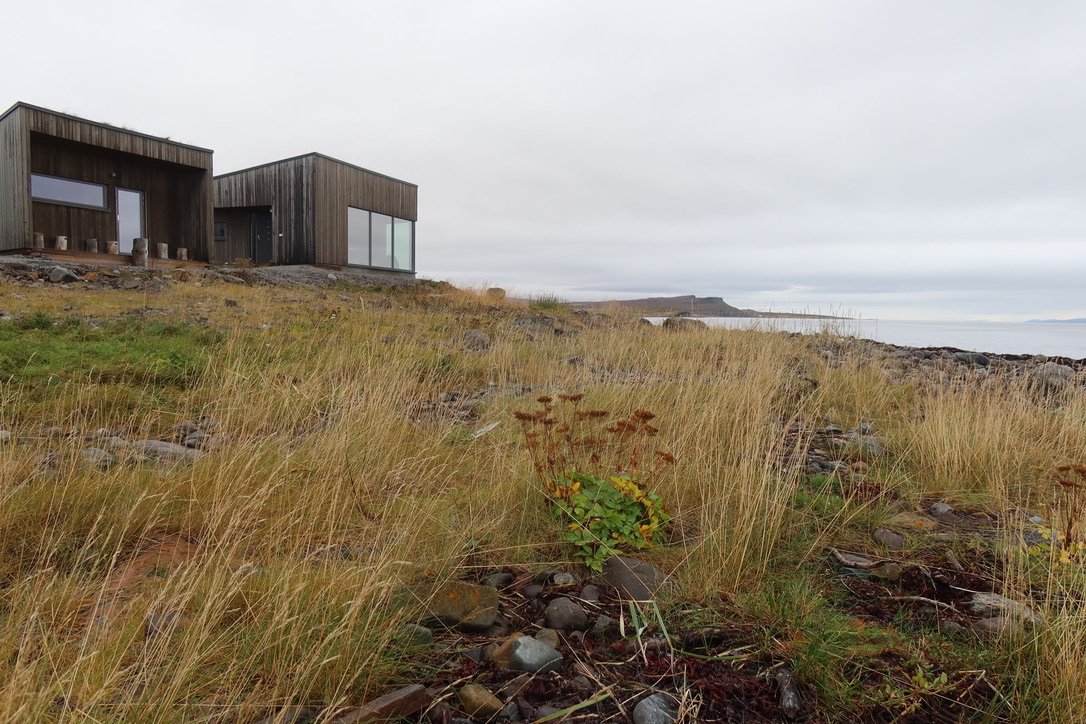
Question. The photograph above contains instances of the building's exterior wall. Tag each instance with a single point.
(174, 198)
(340, 185)
(14, 181)
(175, 180)
(287, 187)
(236, 242)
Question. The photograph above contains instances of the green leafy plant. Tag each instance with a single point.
(595, 475)
(607, 516)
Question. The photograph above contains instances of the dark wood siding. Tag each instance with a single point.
(175, 179)
(14, 180)
(237, 244)
(340, 185)
(287, 187)
(173, 196)
(113, 138)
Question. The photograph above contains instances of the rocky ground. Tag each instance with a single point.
(522, 645)
(39, 270)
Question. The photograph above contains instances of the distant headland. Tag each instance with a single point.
(690, 305)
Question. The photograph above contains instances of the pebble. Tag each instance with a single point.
(565, 615)
(915, 521)
(634, 579)
(522, 653)
(498, 580)
(998, 626)
(944, 513)
(415, 635)
(590, 593)
(549, 636)
(654, 709)
(993, 604)
(477, 701)
(891, 539)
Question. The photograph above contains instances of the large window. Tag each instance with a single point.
(380, 240)
(65, 191)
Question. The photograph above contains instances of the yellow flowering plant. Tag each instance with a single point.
(594, 475)
(604, 517)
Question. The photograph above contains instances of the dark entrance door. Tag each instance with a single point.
(260, 231)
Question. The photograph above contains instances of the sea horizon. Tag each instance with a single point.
(1049, 338)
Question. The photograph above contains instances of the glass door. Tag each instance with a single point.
(129, 218)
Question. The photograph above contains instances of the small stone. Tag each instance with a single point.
(950, 627)
(498, 580)
(415, 635)
(590, 593)
(915, 521)
(60, 275)
(856, 560)
(457, 603)
(993, 604)
(654, 709)
(999, 626)
(166, 451)
(634, 579)
(603, 624)
(522, 653)
(97, 458)
(477, 701)
(199, 440)
(891, 539)
(476, 340)
(887, 571)
(545, 711)
(5, 437)
(944, 513)
(565, 615)
(1036, 520)
(972, 358)
(561, 578)
(531, 590)
(549, 636)
(400, 703)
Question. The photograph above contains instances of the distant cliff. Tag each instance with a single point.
(691, 305)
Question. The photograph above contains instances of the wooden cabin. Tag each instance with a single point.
(80, 181)
(314, 209)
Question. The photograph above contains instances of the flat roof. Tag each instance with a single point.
(317, 155)
(108, 126)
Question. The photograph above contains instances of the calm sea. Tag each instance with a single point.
(1053, 339)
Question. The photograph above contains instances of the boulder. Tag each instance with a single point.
(891, 539)
(683, 324)
(972, 358)
(1052, 377)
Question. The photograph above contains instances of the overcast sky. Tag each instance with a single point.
(920, 159)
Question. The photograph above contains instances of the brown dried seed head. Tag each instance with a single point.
(544, 400)
(666, 457)
(642, 415)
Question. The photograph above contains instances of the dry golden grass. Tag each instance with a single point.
(343, 477)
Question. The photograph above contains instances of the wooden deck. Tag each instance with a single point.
(85, 257)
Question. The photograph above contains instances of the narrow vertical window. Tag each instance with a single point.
(358, 236)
